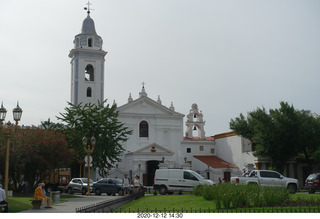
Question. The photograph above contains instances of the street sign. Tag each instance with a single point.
(86, 159)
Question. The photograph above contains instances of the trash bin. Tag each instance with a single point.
(55, 196)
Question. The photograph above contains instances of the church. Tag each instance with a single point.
(158, 139)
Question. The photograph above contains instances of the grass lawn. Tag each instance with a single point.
(18, 204)
(183, 203)
(161, 202)
(178, 203)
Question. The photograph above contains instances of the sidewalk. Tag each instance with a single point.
(72, 203)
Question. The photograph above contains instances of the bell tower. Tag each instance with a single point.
(195, 122)
(87, 65)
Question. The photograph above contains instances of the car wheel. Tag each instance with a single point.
(163, 190)
(292, 188)
(109, 193)
(70, 191)
(84, 191)
(120, 192)
(98, 192)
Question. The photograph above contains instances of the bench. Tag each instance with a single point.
(38, 204)
(2, 206)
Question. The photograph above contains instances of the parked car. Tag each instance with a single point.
(79, 185)
(267, 178)
(109, 186)
(312, 183)
(171, 180)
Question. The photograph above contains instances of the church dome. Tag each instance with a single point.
(88, 26)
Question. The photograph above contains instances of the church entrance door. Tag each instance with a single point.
(152, 165)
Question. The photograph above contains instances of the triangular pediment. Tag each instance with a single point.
(146, 106)
(153, 149)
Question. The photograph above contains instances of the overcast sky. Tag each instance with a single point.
(228, 56)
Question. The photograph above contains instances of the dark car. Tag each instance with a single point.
(313, 182)
(108, 185)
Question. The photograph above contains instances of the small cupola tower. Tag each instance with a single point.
(195, 122)
(87, 65)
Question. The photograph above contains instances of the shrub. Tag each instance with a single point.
(198, 191)
(209, 193)
(240, 196)
(237, 195)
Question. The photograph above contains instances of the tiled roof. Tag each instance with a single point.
(224, 135)
(214, 162)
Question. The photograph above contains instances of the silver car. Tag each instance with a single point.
(79, 185)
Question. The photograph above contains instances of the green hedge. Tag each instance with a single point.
(227, 195)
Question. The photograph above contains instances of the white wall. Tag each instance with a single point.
(234, 149)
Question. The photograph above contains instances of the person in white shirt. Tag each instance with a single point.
(136, 184)
(126, 185)
(3, 198)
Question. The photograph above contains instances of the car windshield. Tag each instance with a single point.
(198, 175)
(85, 180)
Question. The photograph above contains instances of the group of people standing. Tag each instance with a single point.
(126, 183)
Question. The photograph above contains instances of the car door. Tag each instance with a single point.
(190, 181)
(77, 185)
(270, 178)
(175, 181)
(102, 185)
(112, 186)
(265, 178)
(276, 179)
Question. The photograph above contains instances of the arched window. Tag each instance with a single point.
(89, 92)
(144, 129)
(90, 42)
(89, 73)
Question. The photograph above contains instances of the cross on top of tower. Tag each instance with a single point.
(88, 8)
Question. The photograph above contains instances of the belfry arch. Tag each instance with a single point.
(89, 73)
(195, 123)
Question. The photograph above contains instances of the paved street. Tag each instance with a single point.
(72, 203)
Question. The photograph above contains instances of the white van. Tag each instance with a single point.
(171, 180)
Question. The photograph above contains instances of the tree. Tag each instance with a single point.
(309, 141)
(51, 125)
(280, 134)
(34, 151)
(101, 122)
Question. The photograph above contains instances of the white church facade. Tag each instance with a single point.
(158, 139)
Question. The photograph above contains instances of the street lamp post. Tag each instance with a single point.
(8, 129)
(88, 149)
